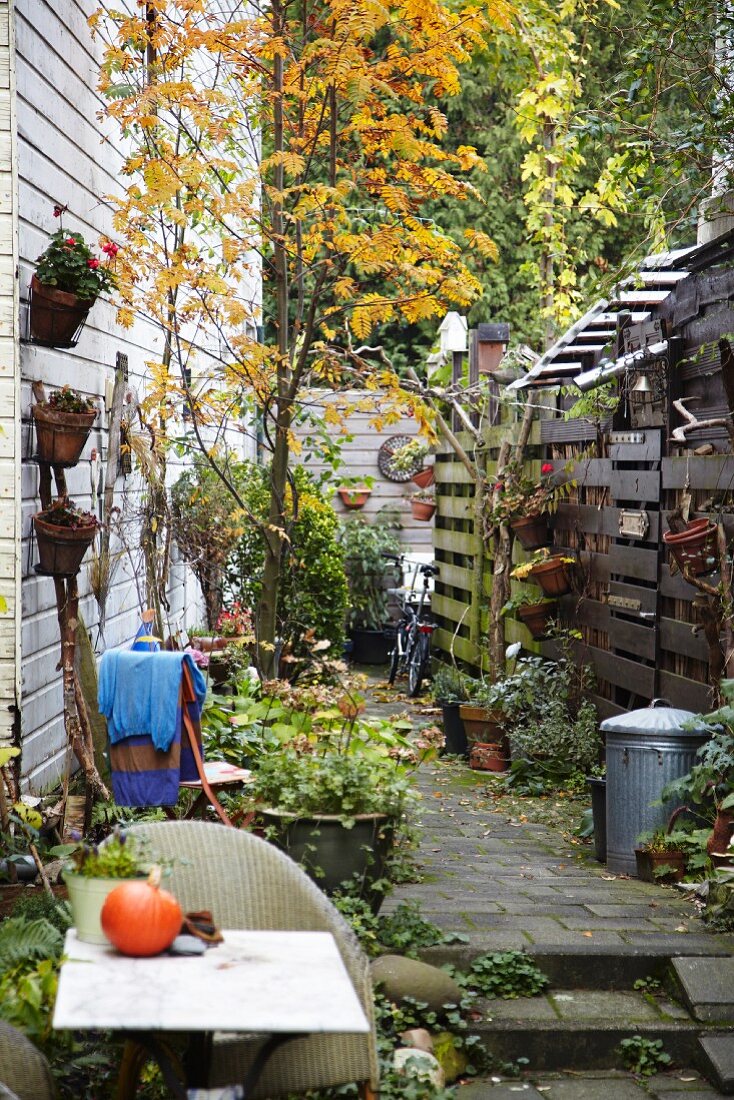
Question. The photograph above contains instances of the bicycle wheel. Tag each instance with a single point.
(418, 665)
(394, 658)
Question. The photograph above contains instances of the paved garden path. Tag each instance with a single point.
(506, 883)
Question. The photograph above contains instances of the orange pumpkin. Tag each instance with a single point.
(139, 918)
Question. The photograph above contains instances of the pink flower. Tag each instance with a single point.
(111, 249)
(546, 468)
(92, 262)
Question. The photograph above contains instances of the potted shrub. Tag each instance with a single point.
(334, 801)
(66, 284)
(92, 872)
(64, 534)
(423, 504)
(410, 459)
(367, 548)
(450, 691)
(63, 423)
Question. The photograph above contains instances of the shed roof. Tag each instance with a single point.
(587, 340)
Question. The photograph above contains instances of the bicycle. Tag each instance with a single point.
(412, 649)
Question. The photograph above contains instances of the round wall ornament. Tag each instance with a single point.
(385, 459)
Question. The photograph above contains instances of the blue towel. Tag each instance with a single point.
(139, 693)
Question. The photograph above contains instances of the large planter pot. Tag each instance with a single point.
(598, 789)
(536, 617)
(61, 549)
(332, 854)
(55, 315)
(424, 477)
(718, 843)
(552, 576)
(649, 862)
(422, 510)
(370, 647)
(86, 897)
(489, 757)
(60, 436)
(453, 730)
(694, 549)
(481, 724)
(354, 498)
(533, 531)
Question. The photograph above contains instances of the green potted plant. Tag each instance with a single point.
(63, 423)
(64, 534)
(483, 713)
(660, 857)
(333, 798)
(66, 284)
(354, 492)
(367, 548)
(449, 688)
(91, 872)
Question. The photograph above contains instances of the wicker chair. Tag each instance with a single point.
(23, 1070)
(247, 883)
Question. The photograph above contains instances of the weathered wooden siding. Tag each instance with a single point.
(359, 454)
(66, 156)
(9, 401)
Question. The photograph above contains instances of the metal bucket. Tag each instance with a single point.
(645, 750)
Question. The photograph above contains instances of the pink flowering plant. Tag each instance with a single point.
(68, 264)
(516, 494)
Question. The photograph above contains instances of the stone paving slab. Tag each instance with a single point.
(708, 987)
(683, 1085)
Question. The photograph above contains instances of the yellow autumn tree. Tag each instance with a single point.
(302, 138)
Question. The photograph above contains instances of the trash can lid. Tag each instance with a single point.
(656, 719)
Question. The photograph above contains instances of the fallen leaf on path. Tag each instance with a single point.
(587, 934)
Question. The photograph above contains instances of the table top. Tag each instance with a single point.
(254, 981)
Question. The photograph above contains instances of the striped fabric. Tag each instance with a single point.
(145, 776)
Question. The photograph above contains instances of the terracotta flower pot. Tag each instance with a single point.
(536, 617)
(488, 757)
(552, 576)
(532, 531)
(61, 549)
(481, 724)
(648, 862)
(60, 436)
(424, 477)
(354, 498)
(55, 315)
(694, 549)
(422, 510)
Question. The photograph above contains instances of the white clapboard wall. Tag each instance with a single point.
(359, 456)
(65, 156)
(9, 403)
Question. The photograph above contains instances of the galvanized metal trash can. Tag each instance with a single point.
(646, 749)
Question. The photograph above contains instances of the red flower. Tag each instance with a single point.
(71, 241)
(58, 211)
(546, 468)
(499, 486)
(92, 262)
(111, 249)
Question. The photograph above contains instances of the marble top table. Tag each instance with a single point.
(253, 982)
